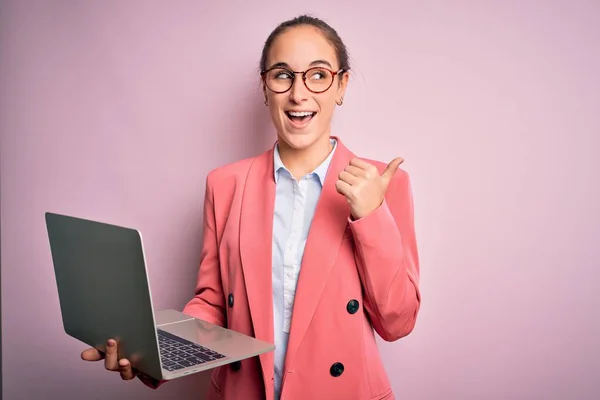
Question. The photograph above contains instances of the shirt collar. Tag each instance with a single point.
(320, 171)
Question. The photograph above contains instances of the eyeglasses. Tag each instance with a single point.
(316, 79)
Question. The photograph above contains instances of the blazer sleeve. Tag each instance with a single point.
(388, 262)
(208, 302)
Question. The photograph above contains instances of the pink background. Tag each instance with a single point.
(116, 110)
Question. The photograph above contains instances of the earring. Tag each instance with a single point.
(340, 102)
(266, 102)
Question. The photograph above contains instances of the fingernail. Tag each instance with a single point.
(123, 363)
(111, 342)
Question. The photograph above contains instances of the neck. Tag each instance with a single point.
(303, 161)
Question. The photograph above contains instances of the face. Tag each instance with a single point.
(303, 118)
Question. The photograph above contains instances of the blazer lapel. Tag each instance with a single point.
(324, 239)
(256, 230)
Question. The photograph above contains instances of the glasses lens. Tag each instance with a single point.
(318, 79)
(279, 79)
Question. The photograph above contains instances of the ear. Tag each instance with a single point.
(343, 84)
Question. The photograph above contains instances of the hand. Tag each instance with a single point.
(363, 187)
(111, 362)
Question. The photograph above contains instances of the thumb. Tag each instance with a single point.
(391, 168)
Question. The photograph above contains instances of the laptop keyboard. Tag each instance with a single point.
(177, 353)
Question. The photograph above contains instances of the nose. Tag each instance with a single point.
(298, 92)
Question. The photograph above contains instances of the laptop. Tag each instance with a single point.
(104, 293)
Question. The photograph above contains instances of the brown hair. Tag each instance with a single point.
(330, 34)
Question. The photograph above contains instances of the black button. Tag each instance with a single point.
(230, 300)
(352, 306)
(336, 369)
(235, 366)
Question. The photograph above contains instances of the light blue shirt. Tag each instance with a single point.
(295, 203)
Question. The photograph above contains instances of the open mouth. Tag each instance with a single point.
(300, 118)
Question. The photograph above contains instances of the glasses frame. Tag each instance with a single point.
(264, 73)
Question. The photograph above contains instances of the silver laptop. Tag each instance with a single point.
(104, 293)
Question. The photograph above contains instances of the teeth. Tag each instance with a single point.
(300, 113)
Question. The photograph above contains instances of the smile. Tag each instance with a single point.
(300, 119)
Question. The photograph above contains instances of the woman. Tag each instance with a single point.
(305, 246)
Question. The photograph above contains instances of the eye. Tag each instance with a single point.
(318, 74)
(281, 74)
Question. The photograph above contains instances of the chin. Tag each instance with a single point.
(301, 138)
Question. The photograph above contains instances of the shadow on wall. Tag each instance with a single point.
(253, 130)
(243, 128)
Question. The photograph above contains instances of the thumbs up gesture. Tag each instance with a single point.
(363, 186)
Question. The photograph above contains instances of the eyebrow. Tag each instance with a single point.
(312, 64)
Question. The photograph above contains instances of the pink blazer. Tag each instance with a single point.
(356, 277)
